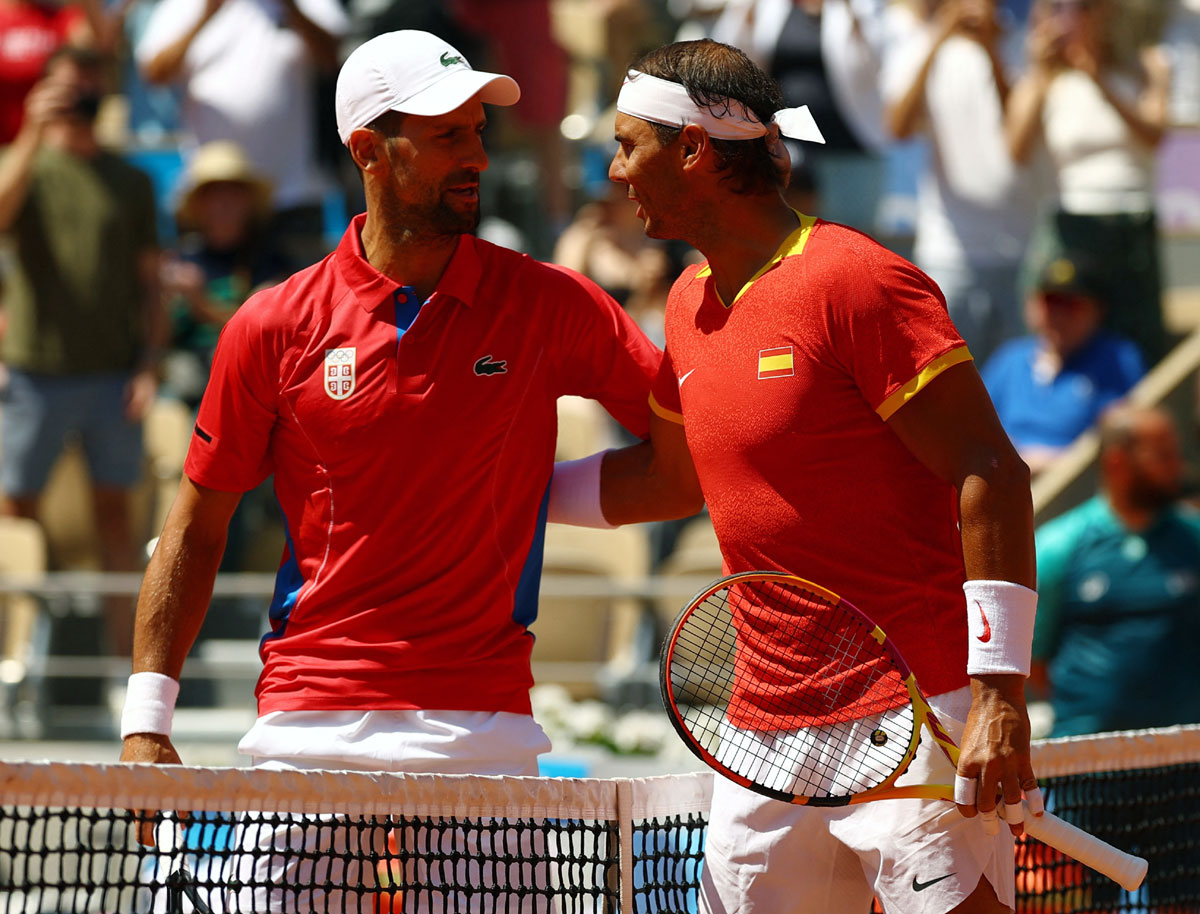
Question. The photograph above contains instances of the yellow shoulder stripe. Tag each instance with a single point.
(888, 407)
(663, 413)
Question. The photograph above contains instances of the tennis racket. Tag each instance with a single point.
(789, 690)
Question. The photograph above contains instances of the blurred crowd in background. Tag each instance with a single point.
(166, 158)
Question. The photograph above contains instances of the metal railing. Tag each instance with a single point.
(64, 593)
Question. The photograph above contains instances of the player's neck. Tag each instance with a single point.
(408, 259)
(743, 241)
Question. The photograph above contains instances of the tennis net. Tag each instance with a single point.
(72, 837)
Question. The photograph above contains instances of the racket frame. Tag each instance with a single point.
(923, 715)
(1126, 869)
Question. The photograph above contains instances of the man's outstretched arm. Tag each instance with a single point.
(651, 480)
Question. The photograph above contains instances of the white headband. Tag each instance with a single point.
(666, 102)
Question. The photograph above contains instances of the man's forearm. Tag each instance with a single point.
(1023, 114)
(322, 46)
(168, 63)
(16, 168)
(996, 522)
(176, 591)
(171, 607)
(155, 324)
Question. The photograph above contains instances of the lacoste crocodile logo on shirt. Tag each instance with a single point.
(486, 366)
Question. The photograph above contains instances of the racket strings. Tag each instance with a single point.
(790, 690)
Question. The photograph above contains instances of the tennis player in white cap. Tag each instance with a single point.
(403, 393)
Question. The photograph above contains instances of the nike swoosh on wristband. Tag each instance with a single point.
(922, 886)
(987, 628)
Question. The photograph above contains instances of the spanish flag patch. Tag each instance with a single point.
(775, 363)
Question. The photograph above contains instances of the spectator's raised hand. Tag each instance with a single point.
(1046, 43)
(140, 391)
(50, 100)
(183, 279)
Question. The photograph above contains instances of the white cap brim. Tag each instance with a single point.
(459, 87)
(448, 93)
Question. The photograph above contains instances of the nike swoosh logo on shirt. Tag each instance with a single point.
(922, 886)
(685, 377)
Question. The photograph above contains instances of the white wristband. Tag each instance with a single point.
(149, 704)
(1000, 618)
(575, 493)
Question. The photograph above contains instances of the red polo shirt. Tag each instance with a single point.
(785, 397)
(412, 446)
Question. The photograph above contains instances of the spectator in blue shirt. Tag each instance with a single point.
(1051, 386)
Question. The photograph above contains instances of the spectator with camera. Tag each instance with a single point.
(1096, 101)
(85, 324)
(946, 77)
(248, 72)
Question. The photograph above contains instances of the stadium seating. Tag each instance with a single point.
(587, 642)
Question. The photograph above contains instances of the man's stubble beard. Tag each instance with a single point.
(429, 221)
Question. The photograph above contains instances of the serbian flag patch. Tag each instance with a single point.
(775, 363)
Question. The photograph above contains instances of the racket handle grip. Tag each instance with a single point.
(1125, 869)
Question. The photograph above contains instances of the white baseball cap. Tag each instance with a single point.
(412, 72)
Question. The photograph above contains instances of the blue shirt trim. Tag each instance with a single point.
(525, 597)
(288, 582)
(408, 306)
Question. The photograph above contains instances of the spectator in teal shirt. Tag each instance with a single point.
(1119, 589)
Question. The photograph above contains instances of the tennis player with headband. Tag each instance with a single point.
(839, 431)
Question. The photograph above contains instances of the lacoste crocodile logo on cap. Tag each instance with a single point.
(449, 60)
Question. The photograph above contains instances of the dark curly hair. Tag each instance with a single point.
(713, 73)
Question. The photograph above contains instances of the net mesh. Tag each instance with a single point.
(255, 841)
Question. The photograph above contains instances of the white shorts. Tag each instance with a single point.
(434, 742)
(763, 856)
(323, 864)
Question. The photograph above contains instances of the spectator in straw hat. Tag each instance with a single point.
(85, 323)
(224, 255)
(248, 71)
